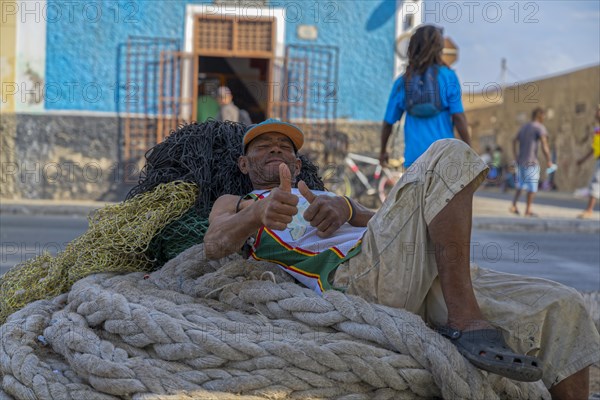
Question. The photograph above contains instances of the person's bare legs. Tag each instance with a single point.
(450, 232)
(514, 208)
(530, 196)
(589, 211)
(574, 387)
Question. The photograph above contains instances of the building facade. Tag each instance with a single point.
(570, 100)
(88, 87)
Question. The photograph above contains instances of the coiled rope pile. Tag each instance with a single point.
(209, 330)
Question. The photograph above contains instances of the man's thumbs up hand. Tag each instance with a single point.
(285, 178)
(277, 210)
(306, 193)
(326, 213)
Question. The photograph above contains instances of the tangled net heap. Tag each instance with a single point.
(229, 329)
(116, 241)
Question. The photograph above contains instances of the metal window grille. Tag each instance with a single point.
(137, 97)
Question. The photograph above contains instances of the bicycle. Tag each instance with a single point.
(348, 179)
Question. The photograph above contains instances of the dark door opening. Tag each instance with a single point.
(246, 77)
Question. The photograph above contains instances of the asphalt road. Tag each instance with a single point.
(25, 236)
(572, 259)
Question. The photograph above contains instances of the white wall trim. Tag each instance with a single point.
(192, 10)
(77, 113)
(30, 51)
(112, 114)
(403, 8)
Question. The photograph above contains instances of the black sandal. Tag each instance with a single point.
(487, 350)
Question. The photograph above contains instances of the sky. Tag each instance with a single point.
(537, 38)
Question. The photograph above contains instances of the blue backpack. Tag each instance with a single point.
(423, 94)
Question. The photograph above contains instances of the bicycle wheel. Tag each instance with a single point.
(336, 181)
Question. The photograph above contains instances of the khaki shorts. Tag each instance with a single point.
(397, 268)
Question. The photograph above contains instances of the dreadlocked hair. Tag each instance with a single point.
(424, 49)
(206, 154)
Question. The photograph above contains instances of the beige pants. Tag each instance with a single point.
(397, 268)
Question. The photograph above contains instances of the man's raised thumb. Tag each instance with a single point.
(306, 192)
(285, 178)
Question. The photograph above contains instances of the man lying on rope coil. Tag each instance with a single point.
(413, 253)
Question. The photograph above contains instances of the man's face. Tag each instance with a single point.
(224, 99)
(263, 156)
(541, 116)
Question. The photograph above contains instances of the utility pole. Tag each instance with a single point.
(503, 72)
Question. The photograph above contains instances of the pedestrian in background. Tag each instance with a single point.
(429, 92)
(495, 176)
(498, 162)
(525, 148)
(594, 186)
(486, 157)
(206, 107)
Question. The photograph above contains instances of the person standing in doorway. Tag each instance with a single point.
(525, 148)
(430, 94)
(229, 111)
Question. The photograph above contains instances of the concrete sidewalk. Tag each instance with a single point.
(488, 214)
(494, 214)
(50, 207)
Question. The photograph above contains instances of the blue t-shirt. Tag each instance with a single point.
(420, 133)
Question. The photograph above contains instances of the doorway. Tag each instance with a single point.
(247, 78)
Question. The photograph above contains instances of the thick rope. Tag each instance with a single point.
(213, 329)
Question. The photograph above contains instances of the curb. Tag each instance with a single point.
(500, 224)
(60, 210)
(536, 225)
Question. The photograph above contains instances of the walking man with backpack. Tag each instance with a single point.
(430, 94)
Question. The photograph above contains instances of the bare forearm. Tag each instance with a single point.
(546, 150)
(227, 234)
(547, 154)
(360, 214)
(386, 131)
(460, 122)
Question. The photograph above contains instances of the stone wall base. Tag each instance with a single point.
(79, 157)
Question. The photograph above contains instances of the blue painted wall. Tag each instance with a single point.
(83, 39)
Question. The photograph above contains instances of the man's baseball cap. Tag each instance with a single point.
(274, 125)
